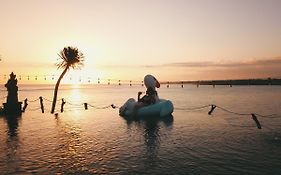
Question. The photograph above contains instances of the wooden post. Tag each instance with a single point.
(130, 82)
(168, 85)
(62, 104)
(25, 105)
(182, 84)
(119, 83)
(213, 107)
(254, 117)
(41, 104)
(86, 106)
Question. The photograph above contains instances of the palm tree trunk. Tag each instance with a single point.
(56, 89)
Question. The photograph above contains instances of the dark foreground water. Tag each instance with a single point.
(99, 141)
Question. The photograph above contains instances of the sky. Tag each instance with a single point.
(126, 39)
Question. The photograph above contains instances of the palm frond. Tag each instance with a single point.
(71, 57)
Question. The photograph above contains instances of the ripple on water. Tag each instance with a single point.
(101, 142)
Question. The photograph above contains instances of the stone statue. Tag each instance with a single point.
(12, 88)
(12, 106)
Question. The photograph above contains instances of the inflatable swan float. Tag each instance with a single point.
(161, 107)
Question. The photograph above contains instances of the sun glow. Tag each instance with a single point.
(75, 94)
(89, 73)
(75, 86)
(84, 76)
(185, 46)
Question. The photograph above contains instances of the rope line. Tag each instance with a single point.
(226, 110)
(33, 100)
(268, 116)
(176, 108)
(48, 99)
(34, 109)
(74, 109)
(104, 107)
(236, 113)
(243, 114)
(74, 104)
(193, 108)
(77, 107)
(80, 106)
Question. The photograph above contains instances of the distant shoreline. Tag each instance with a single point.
(235, 82)
(268, 81)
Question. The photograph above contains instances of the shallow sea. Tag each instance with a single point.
(99, 141)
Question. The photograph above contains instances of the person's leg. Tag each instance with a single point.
(137, 106)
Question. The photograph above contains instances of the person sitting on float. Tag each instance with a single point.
(151, 96)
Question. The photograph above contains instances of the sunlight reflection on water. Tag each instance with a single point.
(99, 141)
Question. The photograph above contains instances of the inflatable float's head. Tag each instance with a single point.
(151, 82)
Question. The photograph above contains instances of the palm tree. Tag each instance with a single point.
(71, 57)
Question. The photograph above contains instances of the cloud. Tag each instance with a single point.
(258, 68)
(276, 61)
(271, 61)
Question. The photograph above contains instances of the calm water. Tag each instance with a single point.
(99, 141)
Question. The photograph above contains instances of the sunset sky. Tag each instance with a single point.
(126, 39)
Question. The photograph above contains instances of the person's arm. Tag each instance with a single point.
(139, 94)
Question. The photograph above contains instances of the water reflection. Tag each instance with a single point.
(153, 135)
(74, 103)
(11, 156)
(12, 123)
(70, 148)
(75, 95)
(152, 129)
